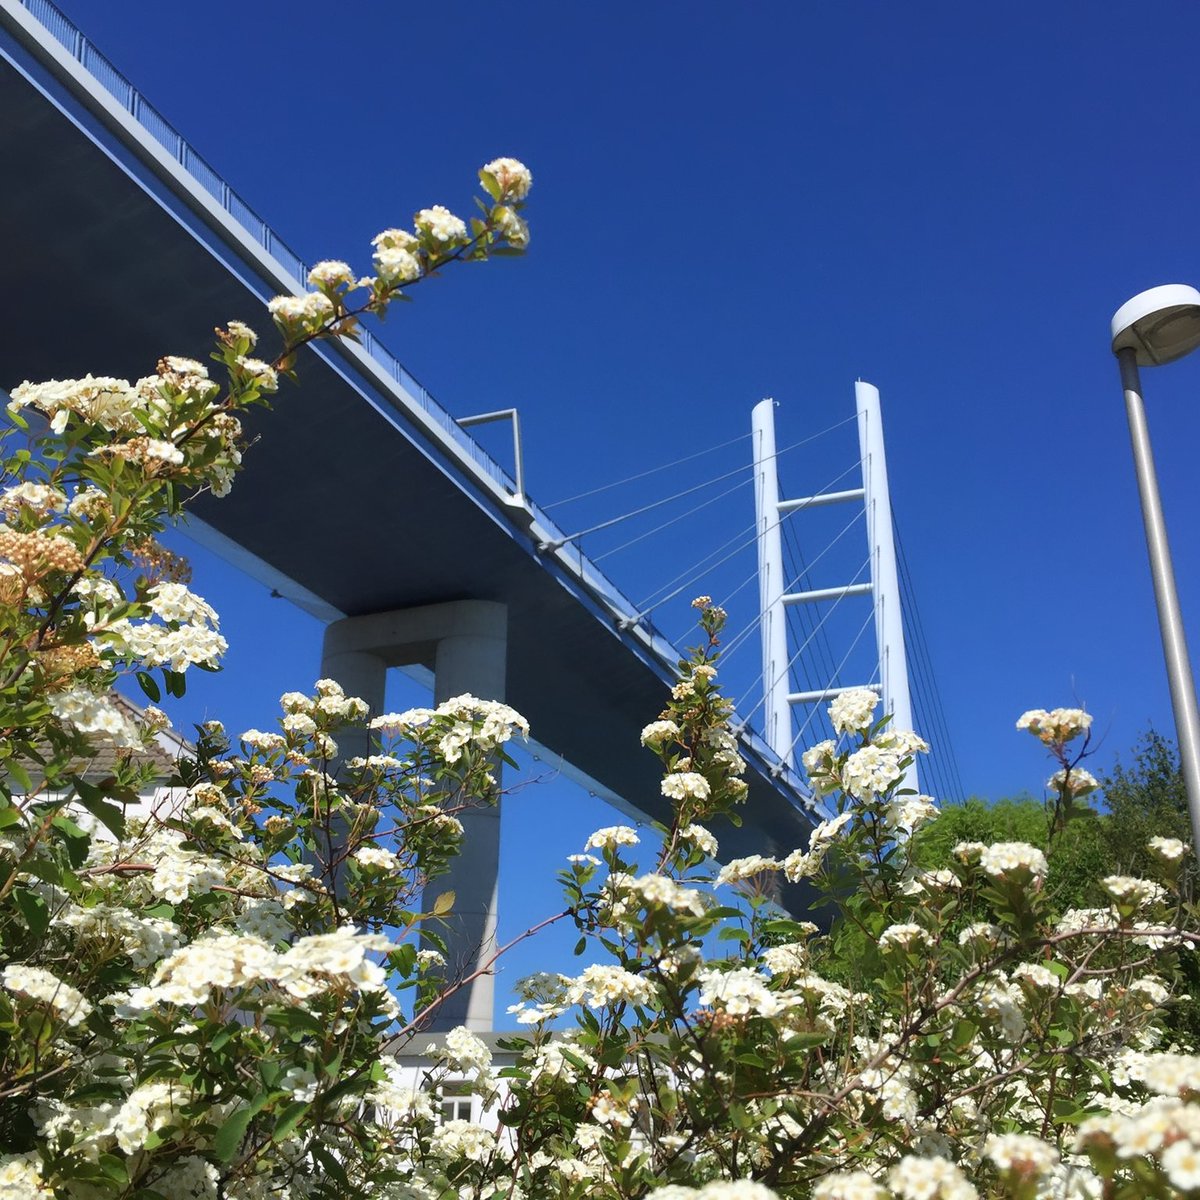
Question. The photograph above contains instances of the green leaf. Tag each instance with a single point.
(332, 1167)
(147, 684)
(19, 773)
(229, 1136)
(490, 184)
(114, 1169)
(33, 909)
(95, 800)
(805, 1039)
(289, 1118)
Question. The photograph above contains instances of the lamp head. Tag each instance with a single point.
(1161, 325)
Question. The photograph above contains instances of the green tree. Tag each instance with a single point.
(1079, 854)
(1148, 799)
(1144, 800)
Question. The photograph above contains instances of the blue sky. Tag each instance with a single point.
(734, 201)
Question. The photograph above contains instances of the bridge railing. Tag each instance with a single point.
(72, 39)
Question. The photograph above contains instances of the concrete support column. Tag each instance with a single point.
(362, 675)
(465, 643)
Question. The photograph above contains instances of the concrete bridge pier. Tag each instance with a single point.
(464, 642)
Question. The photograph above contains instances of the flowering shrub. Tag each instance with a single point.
(194, 1000)
(207, 999)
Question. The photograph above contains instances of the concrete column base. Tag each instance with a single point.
(465, 643)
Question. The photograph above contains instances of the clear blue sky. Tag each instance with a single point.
(734, 201)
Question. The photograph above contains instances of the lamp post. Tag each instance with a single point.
(1155, 327)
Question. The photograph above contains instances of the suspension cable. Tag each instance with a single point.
(831, 683)
(637, 512)
(666, 524)
(644, 474)
(647, 606)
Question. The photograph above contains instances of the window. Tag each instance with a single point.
(457, 1101)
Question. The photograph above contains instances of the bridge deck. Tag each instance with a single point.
(362, 494)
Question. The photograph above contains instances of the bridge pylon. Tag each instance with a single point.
(774, 598)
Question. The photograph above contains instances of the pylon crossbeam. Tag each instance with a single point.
(834, 593)
(787, 506)
(827, 693)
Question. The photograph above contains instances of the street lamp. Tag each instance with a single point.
(1158, 327)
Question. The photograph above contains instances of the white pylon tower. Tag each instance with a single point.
(884, 587)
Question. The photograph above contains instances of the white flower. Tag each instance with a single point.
(463, 1051)
(683, 785)
(36, 983)
(1036, 976)
(789, 959)
(175, 602)
(1169, 850)
(268, 743)
(905, 936)
(514, 177)
(441, 225)
(819, 766)
(396, 265)
(870, 771)
(1150, 991)
(848, 1185)
(601, 984)
(299, 724)
(1076, 782)
(404, 722)
(1057, 726)
(37, 497)
(606, 1110)
(701, 838)
(610, 837)
(1181, 1161)
(799, 865)
(826, 831)
(1010, 862)
(21, 1178)
(981, 935)
(735, 1189)
(90, 713)
(1128, 890)
(309, 311)
(739, 992)
(1020, 1153)
(915, 1178)
(658, 732)
(376, 857)
(908, 813)
(739, 869)
(662, 891)
(462, 1139)
(512, 227)
(331, 274)
(1002, 1002)
(265, 377)
(242, 331)
(853, 710)
(1170, 1074)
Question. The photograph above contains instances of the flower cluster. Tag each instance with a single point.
(196, 990)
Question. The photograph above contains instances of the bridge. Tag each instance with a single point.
(131, 246)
